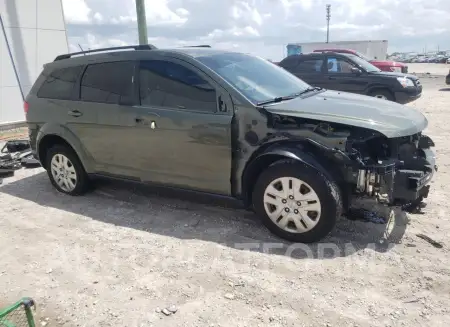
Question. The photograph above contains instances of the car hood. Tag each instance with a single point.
(387, 63)
(386, 117)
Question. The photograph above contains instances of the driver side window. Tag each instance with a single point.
(171, 85)
(338, 65)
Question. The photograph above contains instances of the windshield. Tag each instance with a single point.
(367, 66)
(359, 54)
(256, 78)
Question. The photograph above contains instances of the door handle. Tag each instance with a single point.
(75, 113)
(139, 120)
(330, 77)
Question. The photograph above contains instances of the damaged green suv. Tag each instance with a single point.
(230, 124)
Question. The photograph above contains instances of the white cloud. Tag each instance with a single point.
(263, 27)
(76, 11)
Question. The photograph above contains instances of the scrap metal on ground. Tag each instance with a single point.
(14, 155)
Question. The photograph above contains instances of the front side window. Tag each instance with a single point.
(60, 83)
(256, 78)
(107, 82)
(338, 65)
(168, 84)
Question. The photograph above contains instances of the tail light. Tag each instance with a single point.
(25, 107)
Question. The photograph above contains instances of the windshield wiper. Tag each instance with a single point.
(289, 97)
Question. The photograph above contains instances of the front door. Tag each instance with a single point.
(339, 76)
(185, 120)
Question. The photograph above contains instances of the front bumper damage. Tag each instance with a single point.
(400, 182)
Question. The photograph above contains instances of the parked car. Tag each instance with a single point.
(383, 65)
(293, 153)
(349, 73)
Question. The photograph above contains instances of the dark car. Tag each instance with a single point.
(350, 73)
(228, 124)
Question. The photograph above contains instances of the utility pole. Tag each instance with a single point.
(141, 22)
(328, 22)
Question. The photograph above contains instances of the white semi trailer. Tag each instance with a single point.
(372, 49)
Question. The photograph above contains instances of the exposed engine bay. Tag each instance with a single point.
(394, 170)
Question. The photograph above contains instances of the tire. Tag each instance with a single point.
(382, 94)
(78, 185)
(299, 224)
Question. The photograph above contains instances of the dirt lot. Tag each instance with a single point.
(115, 256)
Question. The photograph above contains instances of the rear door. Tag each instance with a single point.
(185, 126)
(339, 76)
(107, 91)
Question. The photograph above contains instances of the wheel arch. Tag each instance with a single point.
(307, 155)
(52, 135)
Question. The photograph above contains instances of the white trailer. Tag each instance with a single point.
(373, 49)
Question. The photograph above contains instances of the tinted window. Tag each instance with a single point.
(167, 84)
(59, 84)
(310, 66)
(107, 82)
(338, 65)
(290, 62)
(254, 77)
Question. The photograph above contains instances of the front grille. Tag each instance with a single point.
(405, 69)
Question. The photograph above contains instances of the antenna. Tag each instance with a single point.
(81, 48)
(328, 22)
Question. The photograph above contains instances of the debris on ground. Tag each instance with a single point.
(16, 154)
(436, 244)
(365, 215)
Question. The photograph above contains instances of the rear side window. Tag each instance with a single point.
(60, 83)
(107, 82)
(290, 62)
(310, 66)
(168, 84)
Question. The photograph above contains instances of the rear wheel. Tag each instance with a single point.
(65, 171)
(296, 202)
(382, 94)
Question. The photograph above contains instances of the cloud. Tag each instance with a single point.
(263, 27)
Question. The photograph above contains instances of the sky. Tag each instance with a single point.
(261, 27)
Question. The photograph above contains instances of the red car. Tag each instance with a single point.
(384, 65)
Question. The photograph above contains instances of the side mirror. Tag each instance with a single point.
(356, 71)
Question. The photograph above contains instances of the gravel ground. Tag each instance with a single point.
(121, 254)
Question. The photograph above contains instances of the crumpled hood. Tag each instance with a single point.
(387, 117)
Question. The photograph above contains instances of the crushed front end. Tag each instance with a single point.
(397, 171)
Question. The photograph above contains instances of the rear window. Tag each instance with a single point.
(60, 83)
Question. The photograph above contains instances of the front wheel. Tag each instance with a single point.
(382, 94)
(296, 202)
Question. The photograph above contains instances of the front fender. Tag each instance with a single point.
(273, 154)
(292, 152)
(68, 136)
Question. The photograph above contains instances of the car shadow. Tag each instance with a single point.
(186, 215)
(445, 89)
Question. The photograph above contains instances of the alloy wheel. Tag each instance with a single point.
(380, 96)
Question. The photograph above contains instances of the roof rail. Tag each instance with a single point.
(198, 46)
(135, 47)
